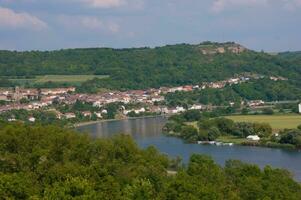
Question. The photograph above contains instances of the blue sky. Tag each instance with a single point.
(270, 25)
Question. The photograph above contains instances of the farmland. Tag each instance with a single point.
(276, 121)
(71, 79)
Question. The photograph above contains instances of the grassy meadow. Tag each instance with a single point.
(71, 79)
(67, 78)
(277, 122)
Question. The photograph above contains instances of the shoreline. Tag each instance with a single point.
(77, 125)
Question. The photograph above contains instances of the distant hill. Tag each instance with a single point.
(151, 67)
(292, 55)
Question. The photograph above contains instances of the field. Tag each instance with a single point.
(276, 121)
(67, 78)
(72, 79)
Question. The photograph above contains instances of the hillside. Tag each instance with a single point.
(138, 68)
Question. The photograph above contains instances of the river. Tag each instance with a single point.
(148, 131)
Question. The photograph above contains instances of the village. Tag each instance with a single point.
(145, 101)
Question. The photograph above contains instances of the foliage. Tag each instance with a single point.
(264, 89)
(292, 136)
(139, 68)
(52, 163)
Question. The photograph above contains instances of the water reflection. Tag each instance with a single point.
(137, 128)
(148, 131)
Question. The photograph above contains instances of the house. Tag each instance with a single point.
(98, 114)
(31, 119)
(70, 115)
(104, 111)
(164, 110)
(158, 99)
(188, 88)
(57, 91)
(12, 119)
(3, 97)
(256, 103)
(253, 137)
(299, 107)
(196, 107)
(87, 114)
(177, 110)
(136, 111)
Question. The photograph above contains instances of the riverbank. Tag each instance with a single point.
(148, 132)
(245, 142)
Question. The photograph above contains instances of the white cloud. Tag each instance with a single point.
(104, 3)
(220, 5)
(89, 23)
(12, 19)
(135, 4)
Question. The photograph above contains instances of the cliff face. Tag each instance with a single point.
(215, 48)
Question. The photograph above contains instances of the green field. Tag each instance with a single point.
(59, 79)
(67, 78)
(276, 121)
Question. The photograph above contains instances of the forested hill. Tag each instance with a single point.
(150, 67)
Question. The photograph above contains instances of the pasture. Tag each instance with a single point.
(67, 78)
(70, 79)
(277, 122)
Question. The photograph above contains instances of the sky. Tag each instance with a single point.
(269, 25)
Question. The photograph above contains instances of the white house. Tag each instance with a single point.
(97, 104)
(12, 119)
(98, 114)
(136, 111)
(299, 107)
(253, 137)
(31, 119)
(87, 114)
(176, 110)
(196, 107)
(70, 115)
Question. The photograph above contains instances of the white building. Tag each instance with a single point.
(31, 119)
(299, 107)
(253, 137)
(196, 107)
(98, 114)
(70, 115)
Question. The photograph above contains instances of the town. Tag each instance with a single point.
(142, 102)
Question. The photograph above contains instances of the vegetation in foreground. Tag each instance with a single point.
(193, 126)
(52, 163)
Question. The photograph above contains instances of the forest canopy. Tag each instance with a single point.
(47, 162)
(140, 68)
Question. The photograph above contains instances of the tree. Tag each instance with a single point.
(213, 133)
(262, 129)
(268, 111)
(189, 133)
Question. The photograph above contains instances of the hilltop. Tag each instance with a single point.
(140, 68)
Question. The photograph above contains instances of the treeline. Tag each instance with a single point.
(210, 129)
(264, 89)
(139, 68)
(51, 163)
(193, 126)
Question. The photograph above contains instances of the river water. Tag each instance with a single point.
(148, 131)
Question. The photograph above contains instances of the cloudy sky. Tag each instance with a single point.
(270, 25)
